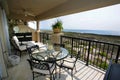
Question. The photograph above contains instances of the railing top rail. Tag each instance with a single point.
(92, 40)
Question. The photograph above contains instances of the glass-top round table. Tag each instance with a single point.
(50, 55)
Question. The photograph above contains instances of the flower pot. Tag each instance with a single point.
(57, 30)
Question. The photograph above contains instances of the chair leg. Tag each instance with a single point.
(50, 77)
(53, 77)
(72, 74)
(59, 72)
(55, 71)
(33, 75)
(20, 54)
(75, 69)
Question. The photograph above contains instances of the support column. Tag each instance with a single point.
(38, 32)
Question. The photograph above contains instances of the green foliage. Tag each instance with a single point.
(57, 24)
(73, 53)
(94, 47)
(102, 54)
(103, 65)
(97, 62)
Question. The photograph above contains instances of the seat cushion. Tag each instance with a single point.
(27, 45)
(28, 42)
(70, 59)
(22, 47)
(68, 64)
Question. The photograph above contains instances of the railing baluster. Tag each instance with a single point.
(88, 53)
(101, 54)
(91, 53)
(72, 48)
(98, 54)
(112, 52)
(106, 57)
(40, 37)
(81, 47)
(95, 53)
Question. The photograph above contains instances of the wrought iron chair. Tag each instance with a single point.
(69, 63)
(32, 49)
(42, 68)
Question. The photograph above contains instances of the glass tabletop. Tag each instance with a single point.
(50, 55)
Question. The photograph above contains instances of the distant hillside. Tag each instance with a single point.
(106, 38)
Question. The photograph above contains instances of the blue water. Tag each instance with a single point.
(101, 32)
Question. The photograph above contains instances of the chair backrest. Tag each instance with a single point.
(61, 45)
(32, 49)
(38, 64)
(14, 44)
(16, 40)
(78, 55)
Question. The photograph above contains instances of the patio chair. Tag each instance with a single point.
(33, 49)
(22, 47)
(18, 47)
(42, 68)
(69, 63)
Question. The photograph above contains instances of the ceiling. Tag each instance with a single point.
(45, 9)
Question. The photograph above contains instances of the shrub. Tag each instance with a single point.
(102, 54)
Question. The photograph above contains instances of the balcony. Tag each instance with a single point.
(91, 66)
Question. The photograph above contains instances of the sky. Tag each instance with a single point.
(106, 18)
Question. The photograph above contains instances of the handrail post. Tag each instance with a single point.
(43, 37)
(47, 36)
(40, 36)
(88, 53)
(117, 56)
(72, 48)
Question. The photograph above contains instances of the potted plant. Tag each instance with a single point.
(57, 26)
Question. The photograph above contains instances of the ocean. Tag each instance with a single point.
(100, 32)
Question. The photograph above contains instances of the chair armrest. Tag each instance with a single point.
(43, 46)
(68, 61)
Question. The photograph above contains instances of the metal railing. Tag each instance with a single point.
(95, 53)
(44, 37)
